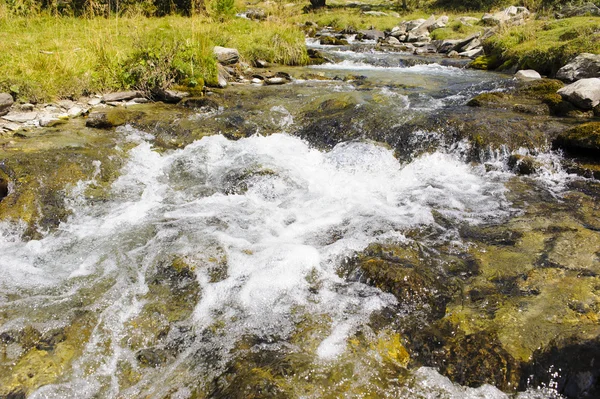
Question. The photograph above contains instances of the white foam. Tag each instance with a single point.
(282, 214)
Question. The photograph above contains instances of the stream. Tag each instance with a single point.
(326, 244)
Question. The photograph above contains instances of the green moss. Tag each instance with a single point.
(485, 62)
(546, 45)
(540, 88)
(585, 137)
(488, 99)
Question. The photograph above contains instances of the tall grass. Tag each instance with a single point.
(46, 57)
(545, 45)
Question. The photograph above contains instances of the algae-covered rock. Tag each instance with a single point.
(584, 138)
(403, 272)
(489, 99)
(332, 41)
(569, 365)
(111, 118)
(44, 357)
(523, 165)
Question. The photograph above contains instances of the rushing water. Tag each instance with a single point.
(258, 231)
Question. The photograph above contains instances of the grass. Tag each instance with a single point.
(545, 45)
(44, 57)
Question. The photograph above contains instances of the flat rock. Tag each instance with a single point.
(371, 34)
(120, 96)
(225, 55)
(172, 96)
(20, 117)
(94, 101)
(75, 111)
(6, 101)
(584, 66)
(49, 121)
(585, 93)
(465, 42)
(415, 23)
(275, 81)
(527, 74)
(476, 52)
(10, 126)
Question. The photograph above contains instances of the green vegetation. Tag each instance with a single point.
(46, 57)
(545, 45)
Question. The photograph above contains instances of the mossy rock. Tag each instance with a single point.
(112, 118)
(404, 272)
(582, 139)
(485, 62)
(489, 100)
(44, 358)
(539, 88)
(523, 165)
(333, 41)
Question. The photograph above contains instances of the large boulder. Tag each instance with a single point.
(584, 93)
(226, 56)
(585, 65)
(6, 101)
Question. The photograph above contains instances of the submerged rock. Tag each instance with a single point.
(571, 366)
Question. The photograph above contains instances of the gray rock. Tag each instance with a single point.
(453, 54)
(66, 104)
(226, 56)
(425, 26)
(120, 96)
(9, 126)
(584, 66)
(376, 13)
(415, 23)
(222, 76)
(171, 96)
(94, 101)
(471, 45)
(445, 46)
(476, 52)
(577, 11)
(420, 36)
(20, 117)
(398, 31)
(256, 14)
(512, 15)
(75, 112)
(275, 81)
(527, 74)
(585, 93)
(27, 107)
(391, 40)
(6, 101)
(371, 34)
(49, 121)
